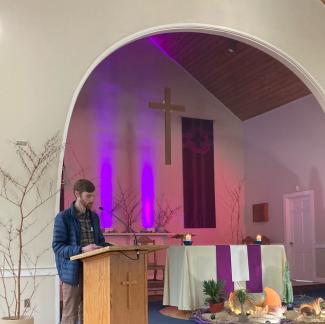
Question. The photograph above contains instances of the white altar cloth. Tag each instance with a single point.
(188, 266)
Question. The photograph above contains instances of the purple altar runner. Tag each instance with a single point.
(255, 283)
(224, 267)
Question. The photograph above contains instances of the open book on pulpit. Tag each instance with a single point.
(115, 284)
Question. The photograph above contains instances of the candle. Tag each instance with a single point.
(258, 238)
(188, 237)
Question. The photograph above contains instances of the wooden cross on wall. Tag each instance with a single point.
(168, 107)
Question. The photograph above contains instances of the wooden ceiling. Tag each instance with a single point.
(245, 79)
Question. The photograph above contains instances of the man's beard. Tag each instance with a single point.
(87, 205)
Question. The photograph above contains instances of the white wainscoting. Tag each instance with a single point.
(44, 272)
(320, 262)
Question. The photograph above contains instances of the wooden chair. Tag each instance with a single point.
(155, 284)
(248, 240)
(265, 240)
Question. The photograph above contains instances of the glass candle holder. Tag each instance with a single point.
(187, 239)
(258, 239)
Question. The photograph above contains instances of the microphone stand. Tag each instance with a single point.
(135, 239)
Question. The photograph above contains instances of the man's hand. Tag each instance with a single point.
(90, 247)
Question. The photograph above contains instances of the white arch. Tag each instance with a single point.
(266, 47)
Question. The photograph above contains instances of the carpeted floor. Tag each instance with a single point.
(156, 318)
(308, 297)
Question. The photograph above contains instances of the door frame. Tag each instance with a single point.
(287, 228)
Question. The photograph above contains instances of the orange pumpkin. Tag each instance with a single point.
(272, 299)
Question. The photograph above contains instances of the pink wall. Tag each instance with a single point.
(285, 148)
(116, 137)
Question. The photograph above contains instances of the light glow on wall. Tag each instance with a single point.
(147, 196)
(106, 193)
(155, 41)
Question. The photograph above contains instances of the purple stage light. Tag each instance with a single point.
(147, 196)
(106, 193)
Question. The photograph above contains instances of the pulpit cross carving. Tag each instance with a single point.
(128, 283)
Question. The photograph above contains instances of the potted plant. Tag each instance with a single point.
(26, 191)
(214, 290)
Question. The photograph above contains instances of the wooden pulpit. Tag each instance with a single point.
(115, 284)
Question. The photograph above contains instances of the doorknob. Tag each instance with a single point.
(291, 243)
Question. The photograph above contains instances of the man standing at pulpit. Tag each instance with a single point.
(76, 230)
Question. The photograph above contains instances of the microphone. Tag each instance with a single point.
(135, 239)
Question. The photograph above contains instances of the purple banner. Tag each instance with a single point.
(198, 173)
(255, 283)
(224, 267)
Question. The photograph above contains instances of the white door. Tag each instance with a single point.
(299, 234)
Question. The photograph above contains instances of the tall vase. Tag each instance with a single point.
(243, 318)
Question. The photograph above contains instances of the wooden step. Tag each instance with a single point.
(302, 287)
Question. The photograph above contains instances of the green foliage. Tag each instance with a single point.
(214, 290)
(241, 295)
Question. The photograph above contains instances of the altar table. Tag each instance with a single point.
(187, 266)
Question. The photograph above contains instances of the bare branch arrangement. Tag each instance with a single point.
(235, 212)
(164, 213)
(127, 206)
(78, 171)
(26, 194)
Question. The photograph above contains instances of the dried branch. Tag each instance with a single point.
(35, 286)
(39, 233)
(22, 156)
(164, 213)
(18, 193)
(128, 206)
(40, 204)
(5, 296)
(234, 195)
(11, 179)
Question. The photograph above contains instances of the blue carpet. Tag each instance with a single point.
(308, 297)
(156, 318)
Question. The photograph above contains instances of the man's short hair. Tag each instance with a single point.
(83, 185)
